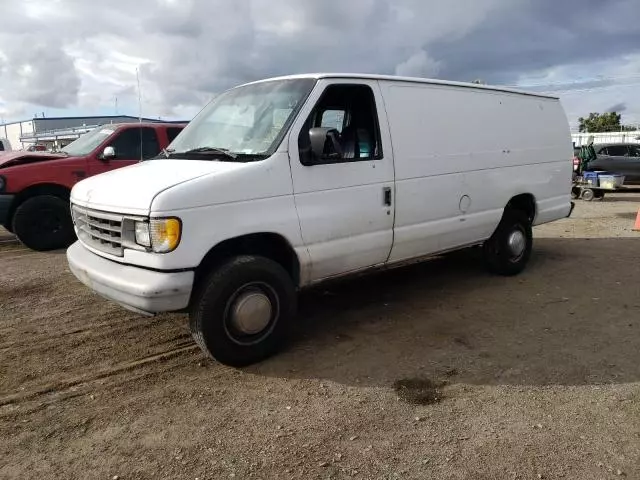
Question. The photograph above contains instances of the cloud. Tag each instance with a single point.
(418, 65)
(39, 72)
(618, 108)
(80, 54)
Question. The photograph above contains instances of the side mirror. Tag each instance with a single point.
(108, 153)
(319, 136)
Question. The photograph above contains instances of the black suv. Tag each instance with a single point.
(622, 158)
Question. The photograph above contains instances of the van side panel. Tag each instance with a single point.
(461, 154)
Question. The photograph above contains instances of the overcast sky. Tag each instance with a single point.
(77, 56)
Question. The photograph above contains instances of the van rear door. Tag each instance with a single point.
(345, 199)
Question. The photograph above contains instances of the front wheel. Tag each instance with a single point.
(242, 313)
(588, 195)
(508, 250)
(44, 223)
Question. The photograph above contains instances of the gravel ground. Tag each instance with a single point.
(437, 370)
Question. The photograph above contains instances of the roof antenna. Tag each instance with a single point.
(139, 97)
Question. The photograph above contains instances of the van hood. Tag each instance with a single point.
(131, 189)
(11, 159)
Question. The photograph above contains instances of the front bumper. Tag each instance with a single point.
(143, 291)
(5, 205)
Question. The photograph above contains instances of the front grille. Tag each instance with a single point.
(99, 230)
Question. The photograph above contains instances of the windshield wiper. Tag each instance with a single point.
(206, 151)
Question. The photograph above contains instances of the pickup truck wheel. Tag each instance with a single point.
(509, 248)
(44, 223)
(242, 313)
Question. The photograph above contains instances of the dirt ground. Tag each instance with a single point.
(433, 371)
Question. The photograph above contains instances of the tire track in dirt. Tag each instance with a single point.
(90, 331)
(85, 379)
(36, 404)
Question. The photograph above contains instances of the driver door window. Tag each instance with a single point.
(136, 144)
(350, 111)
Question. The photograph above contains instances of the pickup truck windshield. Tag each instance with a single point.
(88, 142)
(245, 121)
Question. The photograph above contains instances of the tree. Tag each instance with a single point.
(603, 122)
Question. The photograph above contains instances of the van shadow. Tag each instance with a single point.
(572, 318)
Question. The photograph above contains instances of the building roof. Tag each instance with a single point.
(395, 78)
(95, 117)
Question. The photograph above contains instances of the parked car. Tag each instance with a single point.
(35, 186)
(622, 158)
(37, 148)
(5, 146)
(285, 183)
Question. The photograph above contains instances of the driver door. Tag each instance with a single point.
(131, 145)
(345, 203)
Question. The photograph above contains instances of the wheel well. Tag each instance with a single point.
(525, 203)
(42, 189)
(269, 245)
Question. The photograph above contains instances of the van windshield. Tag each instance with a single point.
(247, 121)
(88, 142)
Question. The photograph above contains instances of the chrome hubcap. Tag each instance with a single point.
(517, 243)
(251, 312)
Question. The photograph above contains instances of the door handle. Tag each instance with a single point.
(386, 195)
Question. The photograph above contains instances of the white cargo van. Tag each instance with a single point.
(283, 183)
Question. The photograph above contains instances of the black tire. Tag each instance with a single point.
(499, 256)
(588, 195)
(44, 223)
(211, 318)
(575, 192)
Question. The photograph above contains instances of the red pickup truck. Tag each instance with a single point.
(35, 186)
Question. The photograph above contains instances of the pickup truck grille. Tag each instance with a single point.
(99, 230)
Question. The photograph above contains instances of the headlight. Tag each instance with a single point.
(3, 183)
(162, 235)
(143, 237)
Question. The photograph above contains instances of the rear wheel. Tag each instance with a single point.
(575, 192)
(242, 313)
(44, 223)
(508, 250)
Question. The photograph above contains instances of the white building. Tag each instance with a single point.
(580, 139)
